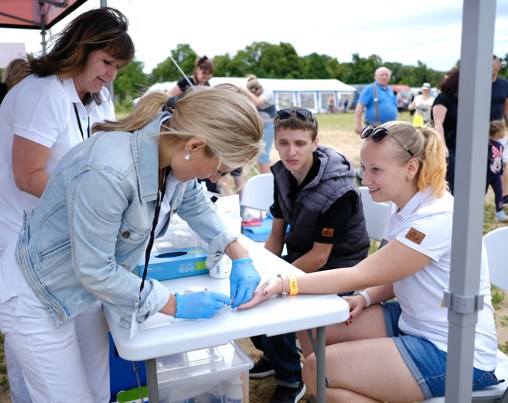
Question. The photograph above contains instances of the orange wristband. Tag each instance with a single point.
(293, 285)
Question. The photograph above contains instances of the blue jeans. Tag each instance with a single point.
(268, 134)
(426, 362)
(282, 353)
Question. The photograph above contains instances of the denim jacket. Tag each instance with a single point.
(93, 224)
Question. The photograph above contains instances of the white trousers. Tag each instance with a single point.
(59, 365)
(17, 385)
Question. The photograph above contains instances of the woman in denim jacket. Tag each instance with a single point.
(78, 248)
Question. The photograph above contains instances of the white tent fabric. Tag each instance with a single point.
(312, 94)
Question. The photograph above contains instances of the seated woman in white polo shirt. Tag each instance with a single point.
(396, 350)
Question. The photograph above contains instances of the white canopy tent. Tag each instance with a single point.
(312, 94)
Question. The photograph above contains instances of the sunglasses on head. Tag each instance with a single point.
(302, 114)
(378, 134)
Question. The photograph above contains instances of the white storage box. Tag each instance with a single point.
(205, 375)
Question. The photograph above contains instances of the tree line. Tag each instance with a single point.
(268, 60)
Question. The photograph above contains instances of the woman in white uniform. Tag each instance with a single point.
(395, 350)
(105, 203)
(51, 111)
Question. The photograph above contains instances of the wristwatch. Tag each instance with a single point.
(365, 296)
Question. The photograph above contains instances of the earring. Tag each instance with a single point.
(187, 155)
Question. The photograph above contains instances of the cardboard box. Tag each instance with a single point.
(205, 375)
(176, 263)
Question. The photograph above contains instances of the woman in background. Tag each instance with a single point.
(265, 103)
(203, 70)
(13, 73)
(444, 114)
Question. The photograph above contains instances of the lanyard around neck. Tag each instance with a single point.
(158, 203)
(79, 124)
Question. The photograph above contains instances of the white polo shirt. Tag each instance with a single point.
(425, 225)
(40, 109)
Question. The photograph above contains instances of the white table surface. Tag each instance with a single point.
(164, 335)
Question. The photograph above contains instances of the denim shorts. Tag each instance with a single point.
(426, 362)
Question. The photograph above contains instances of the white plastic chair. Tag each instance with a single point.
(257, 193)
(496, 242)
(376, 215)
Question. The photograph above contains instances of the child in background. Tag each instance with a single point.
(495, 166)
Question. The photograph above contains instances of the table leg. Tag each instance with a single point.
(151, 380)
(321, 364)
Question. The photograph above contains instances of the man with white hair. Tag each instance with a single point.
(378, 101)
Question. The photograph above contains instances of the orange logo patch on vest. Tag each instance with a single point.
(415, 236)
(327, 232)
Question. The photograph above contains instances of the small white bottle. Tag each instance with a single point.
(222, 269)
(235, 391)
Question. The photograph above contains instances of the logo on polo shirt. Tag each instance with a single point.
(327, 232)
(415, 236)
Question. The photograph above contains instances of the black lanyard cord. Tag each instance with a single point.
(79, 124)
(158, 203)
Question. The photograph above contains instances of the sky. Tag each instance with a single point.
(396, 30)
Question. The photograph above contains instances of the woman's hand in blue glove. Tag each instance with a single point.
(244, 280)
(200, 305)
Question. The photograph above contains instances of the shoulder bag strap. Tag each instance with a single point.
(375, 102)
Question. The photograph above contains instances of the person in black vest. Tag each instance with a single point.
(316, 196)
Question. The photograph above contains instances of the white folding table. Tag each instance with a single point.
(163, 335)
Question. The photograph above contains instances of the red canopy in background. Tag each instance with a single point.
(35, 14)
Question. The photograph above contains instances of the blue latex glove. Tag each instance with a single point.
(244, 280)
(200, 305)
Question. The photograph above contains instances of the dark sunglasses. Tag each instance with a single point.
(302, 114)
(378, 134)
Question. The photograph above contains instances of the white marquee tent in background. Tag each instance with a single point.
(312, 94)
(478, 22)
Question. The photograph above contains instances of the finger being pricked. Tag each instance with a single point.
(262, 293)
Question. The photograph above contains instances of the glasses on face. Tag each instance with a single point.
(302, 114)
(378, 134)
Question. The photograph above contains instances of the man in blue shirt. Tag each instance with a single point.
(378, 101)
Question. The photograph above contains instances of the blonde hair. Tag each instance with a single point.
(15, 71)
(222, 116)
(427, 147)
(253, 83)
